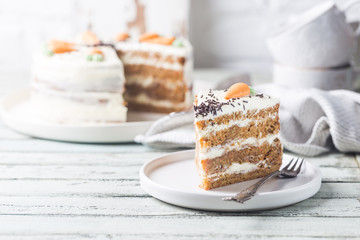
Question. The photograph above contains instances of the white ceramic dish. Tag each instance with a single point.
(326, 79)
(16, 114)
(317, 38)
(173, 179)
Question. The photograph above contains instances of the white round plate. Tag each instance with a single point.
(16, 113)
(174, 179)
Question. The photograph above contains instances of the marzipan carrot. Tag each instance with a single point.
(147, 36)
(58, 46)
(237, 90)
(89, 37)
(95, 50)
(161, 40)
(121, 37)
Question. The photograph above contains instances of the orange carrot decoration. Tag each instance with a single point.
(121, 37)
(237, 90)
(89, 37)
(147, 36)
(57, 46)
(161, 40)
(96, 50)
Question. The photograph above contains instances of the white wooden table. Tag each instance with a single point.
(57, 190)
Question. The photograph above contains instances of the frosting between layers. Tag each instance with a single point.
(238, 168)
(148, 81)
(219, 127)
(129, 60)
(142, 98)
(243, 104)
(132, 45)
(236, 144)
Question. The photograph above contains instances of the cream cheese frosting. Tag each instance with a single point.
(168, 50)
(212, 103)
(235, 145)
(71, 88)
(74, 72)
(237, 168)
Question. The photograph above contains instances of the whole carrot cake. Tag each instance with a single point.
(90, 81)
(236, 135)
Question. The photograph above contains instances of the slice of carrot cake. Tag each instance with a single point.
(236, 135)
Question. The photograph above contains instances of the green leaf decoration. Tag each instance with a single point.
(252, 90)
(178, 43)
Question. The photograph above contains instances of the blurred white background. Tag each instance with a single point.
(225, 34)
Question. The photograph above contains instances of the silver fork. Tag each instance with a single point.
(249, 192)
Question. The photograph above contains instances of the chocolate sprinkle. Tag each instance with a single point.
(212, 105)
(101, 44)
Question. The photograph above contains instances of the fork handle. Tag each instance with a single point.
(249, 192)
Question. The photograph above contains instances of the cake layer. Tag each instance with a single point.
(236, 144)
(235, 166)
(154, 72)
(252, 130)
(158, 92)
(209, 130)
(251, 154)
(211, 105)
(227, 179)
(142, 102)
(72, 107)
(148, 81)
(253, 114)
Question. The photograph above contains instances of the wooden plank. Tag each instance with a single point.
(338, 160)
(14, 165)
(130, 171)
(137, 152)
(72, 188)
(357, 160)
(77, 159)
(130, 206)
(333, 174)
(139, 235)
(338, 190)
(39, 145)
(69, 172)
(197, 227)
(127, 188)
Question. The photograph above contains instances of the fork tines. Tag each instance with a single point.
(294, 168)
